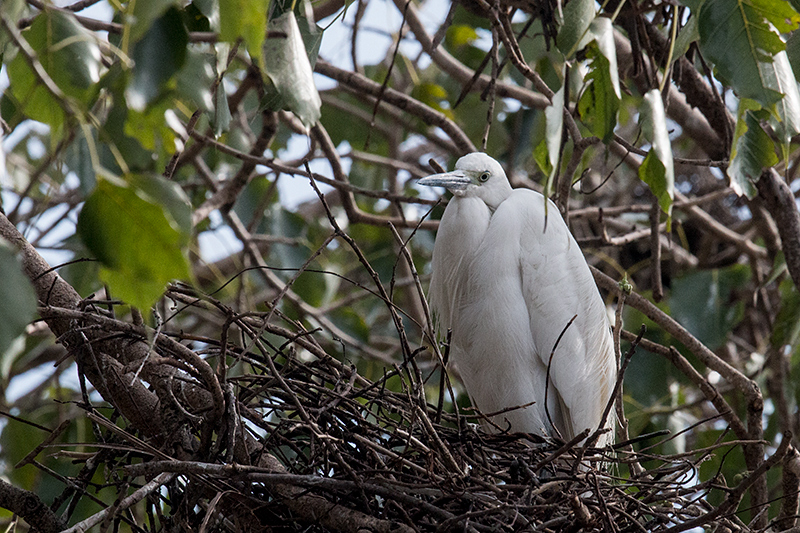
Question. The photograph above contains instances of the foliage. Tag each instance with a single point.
(222, 309)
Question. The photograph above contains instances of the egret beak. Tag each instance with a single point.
(454, 181)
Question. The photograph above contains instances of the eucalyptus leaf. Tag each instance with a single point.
(738, 36)
(157, 58)
(309, 30)
(196, 78)
(599, 104)
(554, 127)
(688, 34)
(601, 32)
(657, 170)
(793, 53)
(222, 113)
(753, 150)
(780, 76)
(578, 15)
(287, 65)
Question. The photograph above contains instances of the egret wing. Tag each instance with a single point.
(557, 285)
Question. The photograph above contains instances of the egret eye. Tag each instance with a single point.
(484, 177)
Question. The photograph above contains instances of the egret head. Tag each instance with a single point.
(476, 174)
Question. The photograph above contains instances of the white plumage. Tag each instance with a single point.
(507, 285)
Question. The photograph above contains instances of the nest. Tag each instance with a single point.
(401, 463)
(306, 443)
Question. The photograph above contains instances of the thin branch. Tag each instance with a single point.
(429, 115)
(735, 495)
(743, 384)
(136, 497)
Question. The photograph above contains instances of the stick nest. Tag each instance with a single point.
(400, 460)
(296, 440)
(308, 444)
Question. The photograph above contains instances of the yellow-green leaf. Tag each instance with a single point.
(137, 237)
(246, 19)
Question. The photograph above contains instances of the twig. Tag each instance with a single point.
(655, 251)
(735, 495)
(137, 496)
(398, 99)
(742, 383)
(547, 375)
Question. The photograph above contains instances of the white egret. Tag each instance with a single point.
(507, 285)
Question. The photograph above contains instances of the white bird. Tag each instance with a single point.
(507, 284)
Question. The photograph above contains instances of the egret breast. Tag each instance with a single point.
(461, 230)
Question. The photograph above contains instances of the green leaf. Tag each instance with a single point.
(736, 36)
(287, 65)
(309, 31)
(657, 169)
(352, 323)
(781, 78)
(793, 51)
(13, 10)
(258, 199)
(601, 31)
(653, 172)
(71, 58)
(787, 326)
(701, 302)
(135, 157)
(287, 224)
(196, 79)
(599, 103)
(222, 113)
(554, 126)
(144, 13)
(312, 287)
(688, 34)
(578, 15)
(459, 35)
(34, 100)
(78, 159)
(17, 298)
(540, 156)
(151, 129)
(139, 239)
(157, 57)
(432, 94)
(693, 5)
(195, 19)
(344, 126)
(171, 197)
(246, 19)
(209, 8)
(753, 150)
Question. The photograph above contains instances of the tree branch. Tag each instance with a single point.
(779, 201)
(30, 507)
